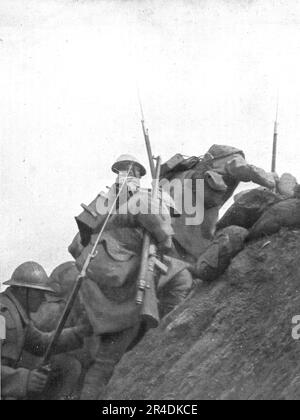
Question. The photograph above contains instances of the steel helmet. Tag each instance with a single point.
(63, 278)
(127, 160)
(30, 275)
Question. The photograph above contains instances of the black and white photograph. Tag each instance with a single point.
(150, 205)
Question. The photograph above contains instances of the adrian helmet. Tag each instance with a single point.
(124, 160)
(30, 275)
(63, 278)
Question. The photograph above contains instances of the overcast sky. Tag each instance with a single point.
(208, 71)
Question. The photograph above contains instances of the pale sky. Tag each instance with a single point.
(209, 72)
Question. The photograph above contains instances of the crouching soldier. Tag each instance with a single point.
(110, 291)
(28, 285)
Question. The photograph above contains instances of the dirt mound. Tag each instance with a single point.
(231, 340)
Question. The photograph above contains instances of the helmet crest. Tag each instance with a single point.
(30, 275)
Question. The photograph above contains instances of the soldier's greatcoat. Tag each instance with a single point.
(109, 292)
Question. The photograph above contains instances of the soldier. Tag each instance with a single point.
(222, 169)
(110, 291)
(28, 285)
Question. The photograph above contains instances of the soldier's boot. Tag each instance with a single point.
(111, 349)
(227, 244)
(64, 378)
(97, 378)
(174, 292)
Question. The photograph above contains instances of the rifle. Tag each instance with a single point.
(44, 367)
(146, 293)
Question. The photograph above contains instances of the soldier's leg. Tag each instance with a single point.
(111, 349)
(174, 292)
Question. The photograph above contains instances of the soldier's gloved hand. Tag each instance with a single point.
(272, 180)
(36, 382)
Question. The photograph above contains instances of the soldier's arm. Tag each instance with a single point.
(13, 382)
(239, 169)
(152, 217)
(36, 342)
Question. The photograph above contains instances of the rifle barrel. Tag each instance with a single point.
(146, 137)
(144, 267)
(275, 138)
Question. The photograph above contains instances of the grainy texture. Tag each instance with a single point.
(231, 340)
(283, 214)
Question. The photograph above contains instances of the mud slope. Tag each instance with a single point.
(231, 340)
